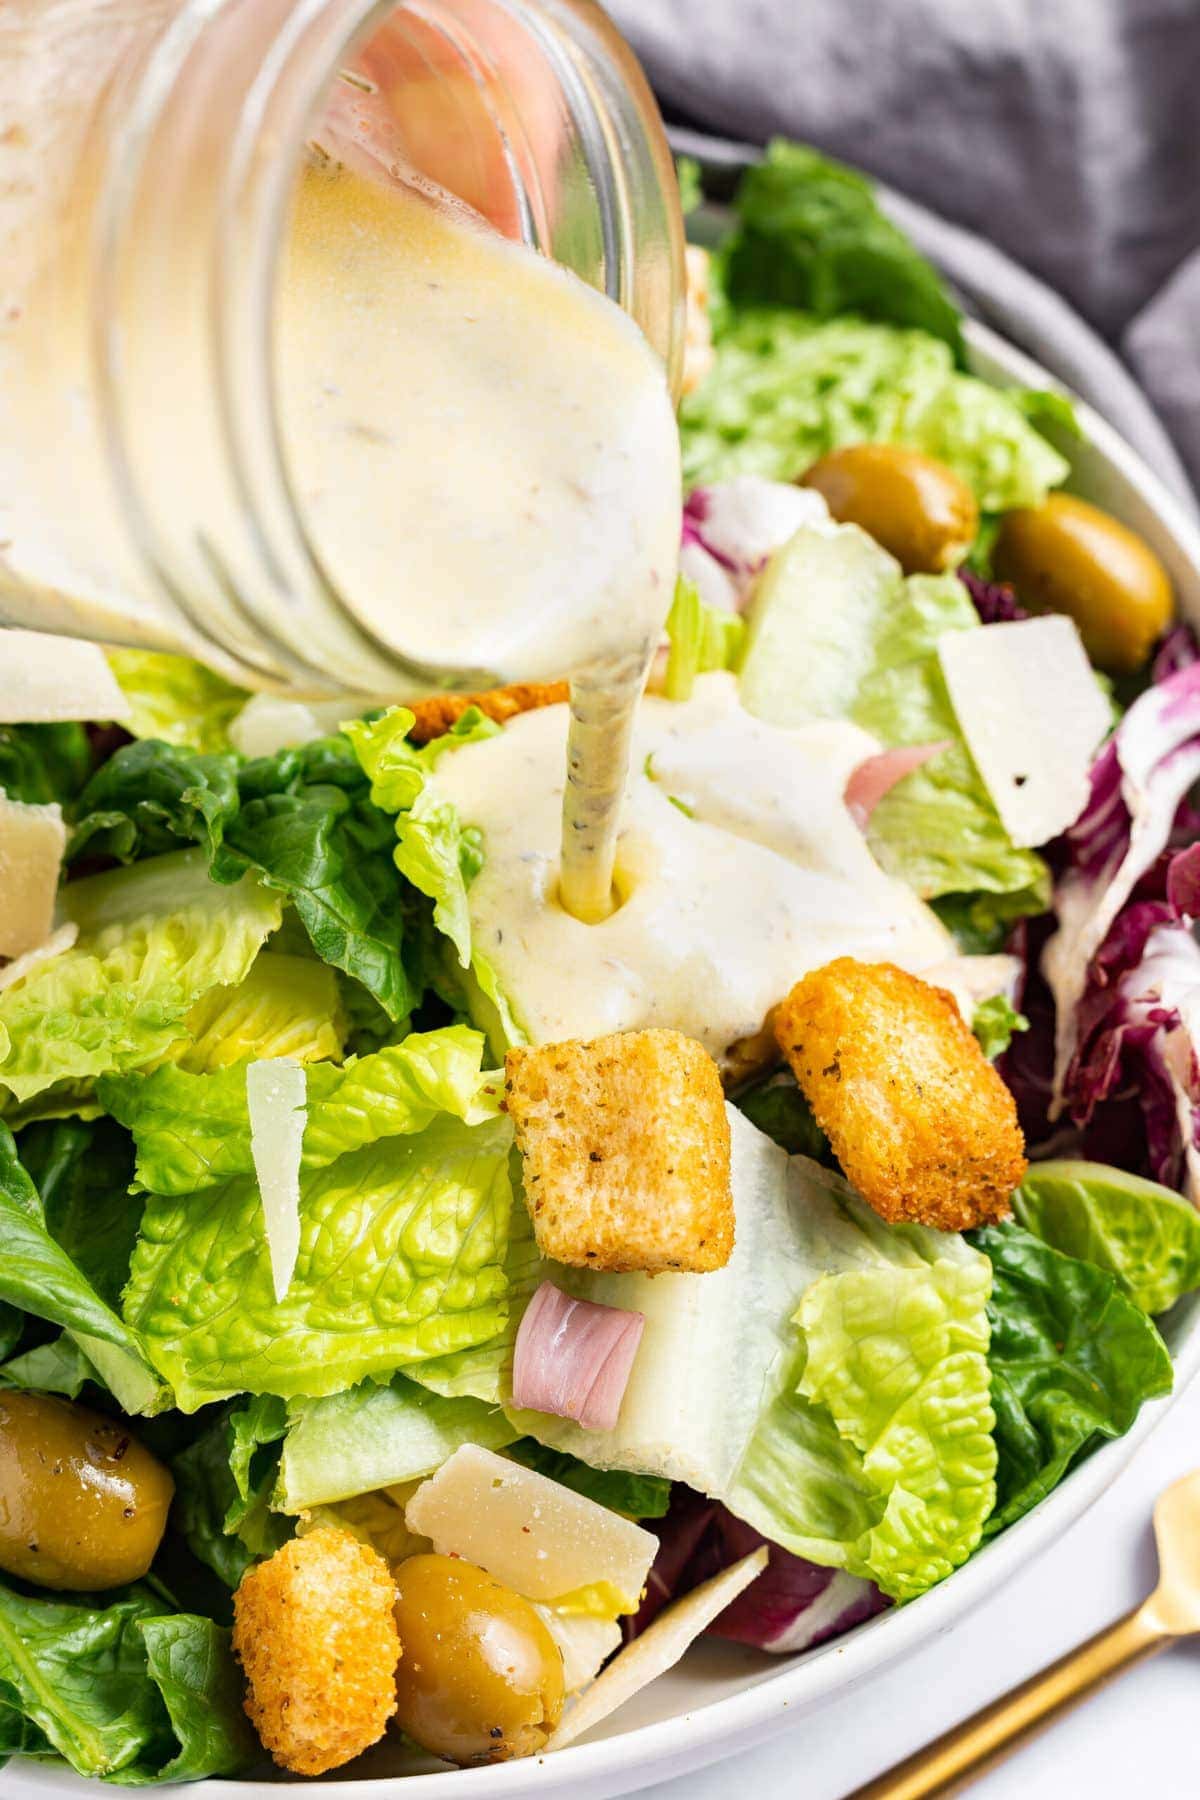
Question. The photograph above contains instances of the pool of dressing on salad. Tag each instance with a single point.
(488, 464)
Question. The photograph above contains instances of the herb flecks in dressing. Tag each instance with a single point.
(738, 865)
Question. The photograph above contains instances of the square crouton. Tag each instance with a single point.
(625, 1149)
(920, 1121)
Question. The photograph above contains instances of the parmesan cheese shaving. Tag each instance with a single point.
(275, 1100)
(32, 842)
(58, 941)
(531, 1533)
(1032, 713)
(47, 680)
(658, 1649)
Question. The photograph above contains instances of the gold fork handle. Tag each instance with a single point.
(964, 1753)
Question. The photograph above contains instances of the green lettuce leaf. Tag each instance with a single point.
(1072, 1360)
(810, 234)
(637, 1496)
(375, 1437)
(437, 854)
(286, 1006)
(44, 763)
(786, 387)
(1143, 1234)
(995, 1021)
(223, 1483)
(701, 638)
(56, 1367)
(176, 699)
(82, 1171)
(779, 1109)
(39, 1277)
(862, 642)
(152, 940)
(301, 820)
(192, 1131)
(401, 1257)
(981, 922)
(121, 1691)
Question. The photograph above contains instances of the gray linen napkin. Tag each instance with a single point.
(1067, 132)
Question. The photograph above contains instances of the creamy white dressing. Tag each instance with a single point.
(488, 464)
(738, 867)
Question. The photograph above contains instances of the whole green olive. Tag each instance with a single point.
(82, 1503)
(480, 1678)
(915, 507)
(1067, 556)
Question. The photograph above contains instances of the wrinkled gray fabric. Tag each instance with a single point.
(1065, 131)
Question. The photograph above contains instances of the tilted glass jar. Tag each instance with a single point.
(149, 151)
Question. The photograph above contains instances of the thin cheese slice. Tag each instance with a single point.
(268, 723)
(276, 1099)
(585, 1644)
(531, 1533)
(32, 841)
(659, 1648)
(47, 680)
(58, 941)
(1033, 715)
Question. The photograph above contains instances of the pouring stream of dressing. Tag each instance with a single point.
(488, 464)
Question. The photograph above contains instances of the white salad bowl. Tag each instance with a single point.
(724, 1697)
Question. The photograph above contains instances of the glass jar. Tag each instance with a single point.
(149, 151)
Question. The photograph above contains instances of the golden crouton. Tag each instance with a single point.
(919, 1120)
(626, 1151)
(314, 1631)
(436, 713)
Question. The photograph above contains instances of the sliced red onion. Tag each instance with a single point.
(878, 775)
(741, 522)
(574, 1357)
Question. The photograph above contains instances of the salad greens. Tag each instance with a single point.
(1143, 1234)
(875, 1400)
(1072, 1360)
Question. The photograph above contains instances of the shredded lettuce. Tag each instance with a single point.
(176, 699)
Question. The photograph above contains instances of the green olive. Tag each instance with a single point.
(915, 507)
(1066, 556)
(480, 1678)
(82, 1504)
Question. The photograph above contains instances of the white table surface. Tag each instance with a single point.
(1140, 1737)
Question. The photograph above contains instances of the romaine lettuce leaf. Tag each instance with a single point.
(223, 1484)
(1143, 1234)
(82, 1171)
(38, 1276)
(786, 387)
(1072, 1360)
(43, 763)
(995, 1022)
(810, 234)
(56, 1367)
(286, 1006)
(152, 940)
(119, 1690)
(176, 699)
(937, 829)
(401, 1257)
(302, 820)
(375, 1437)
(436, 852)
(637, 1496)
(192, 1131)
